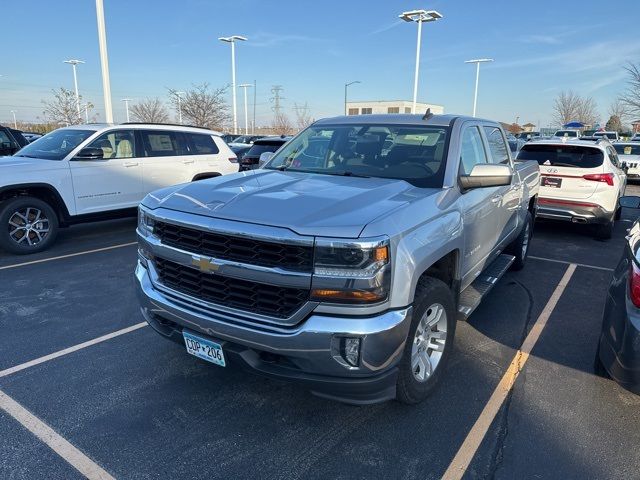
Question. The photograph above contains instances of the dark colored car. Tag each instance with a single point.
(247, 139)
(31, 136)
(240, 150)
(229, 137)
(619, 346)
(10, 141)
(267, 144)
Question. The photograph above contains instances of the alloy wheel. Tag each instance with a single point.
(429, 342)
(28, 226)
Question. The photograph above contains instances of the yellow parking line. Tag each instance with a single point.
(467, 451)
(66, 351)
(50, 259)
(78, 460)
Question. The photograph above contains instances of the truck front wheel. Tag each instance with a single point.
(429, 342)
(27, 225)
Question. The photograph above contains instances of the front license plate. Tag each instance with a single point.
(204, 349)
(551, 182)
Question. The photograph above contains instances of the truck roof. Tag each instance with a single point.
(395, 119)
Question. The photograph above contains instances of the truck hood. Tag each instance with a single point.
(308, 204)
(28, 164)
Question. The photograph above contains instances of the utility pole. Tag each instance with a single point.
(104, 62)
(126, 104)
(253, 126)
(15, 123)
(73, 64)
(276, 99)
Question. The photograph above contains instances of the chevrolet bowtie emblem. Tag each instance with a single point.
(205, 265)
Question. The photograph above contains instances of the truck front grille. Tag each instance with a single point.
(237, 249)
(260, 298)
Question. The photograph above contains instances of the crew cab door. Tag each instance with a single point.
(507, 199)
(478, 206)
(166, 159)
(112, 182)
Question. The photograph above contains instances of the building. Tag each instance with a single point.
(635, 126)
(528, 127)
(390, 106)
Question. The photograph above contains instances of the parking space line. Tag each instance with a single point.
(53, 440)
(564, 262)
(75, 348)
(469, 447)
(50, 259)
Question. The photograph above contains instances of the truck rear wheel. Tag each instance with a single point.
(27, 225)
(429, 342)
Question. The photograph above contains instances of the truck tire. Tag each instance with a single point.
(519, 248)
(27, 225)
(429, 343)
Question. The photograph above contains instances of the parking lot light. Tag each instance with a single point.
(478, 61)
(246, 108)
(179, 97)
(126, 105)
(15, 123)
(74, 63)
(104, 62)
(346, 85)
(419, 16)
(232, 40)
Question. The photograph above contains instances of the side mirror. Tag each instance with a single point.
(90, 154)
(630, 202)
(264, 158)
(487, 175)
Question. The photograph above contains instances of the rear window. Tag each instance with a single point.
(566, 133)
(627, 149)
(562, 155)
(203, 144)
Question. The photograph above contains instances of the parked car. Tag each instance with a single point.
(251, 159)
(240, 150)
(85, 172)
(526, 136)
(618, 354)
(31, 136)
(347, 272)
(11, 141)
(246, 139)
(629, 155)
(567, 133)
(612, 136)
(515, 144)
(581, 181)
(229, 137)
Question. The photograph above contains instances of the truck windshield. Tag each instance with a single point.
(415, 154)
(562, 155)
(55, 145)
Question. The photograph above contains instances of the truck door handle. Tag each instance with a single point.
(131, 164)
(187, 162)
(496, 198)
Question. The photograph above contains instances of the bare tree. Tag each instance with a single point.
(587, 111)
(614, 124)
(281, 124)
(566, 107)
(203, 106)
(63, 109)
(619, 109)
(303, 118)
(631, 96)
(150, 110)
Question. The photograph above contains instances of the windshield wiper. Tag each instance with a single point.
(25, 156)
(348, 173)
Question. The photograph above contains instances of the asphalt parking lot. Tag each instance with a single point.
(138, 406)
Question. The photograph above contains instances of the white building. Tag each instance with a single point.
(390, 106)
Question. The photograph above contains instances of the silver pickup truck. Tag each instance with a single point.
(346, 261)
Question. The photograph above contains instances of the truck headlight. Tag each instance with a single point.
(351, 271)
(145, 223)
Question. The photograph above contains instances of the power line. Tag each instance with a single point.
(276, 99)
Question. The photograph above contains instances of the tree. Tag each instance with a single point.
(281, 124)
(619, 109)
(631, 96)
(614, 124)
(63, 109)
(566, 107)
(150, 110)
(303, 118)
(203, 106)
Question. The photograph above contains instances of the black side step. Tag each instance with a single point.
(471, 296)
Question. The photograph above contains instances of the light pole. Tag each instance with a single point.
(246, 108)
(126, 105)
(346, 85)
(104, 62)
(477, 61)
(74, 63)
(419, 16)
(179, 97)
(232, 40)
(15, 123)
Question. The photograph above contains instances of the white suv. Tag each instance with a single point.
(85, 172)
(580, 181)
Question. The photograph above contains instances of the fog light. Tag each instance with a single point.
(351, 351)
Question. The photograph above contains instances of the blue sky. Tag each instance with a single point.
(313, 48)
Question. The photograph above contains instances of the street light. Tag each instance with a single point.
(74, 63)
(179, 97)
(15, 124)
(477, 61)
(346, 85)
(419, 16)
(232, 40)
(104, 62)
(246, 109)
(126, 105)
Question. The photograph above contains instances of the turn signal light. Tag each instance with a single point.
(634, 284)
(349, 296)
(381, 254)
(600, 177)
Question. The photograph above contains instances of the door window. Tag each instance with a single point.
(116, 144)
(497, 145)
(5, 141)
(472, 150)
(203, 144)
(162, 143)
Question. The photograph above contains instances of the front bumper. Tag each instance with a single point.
(572, 212)
(308, 353)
